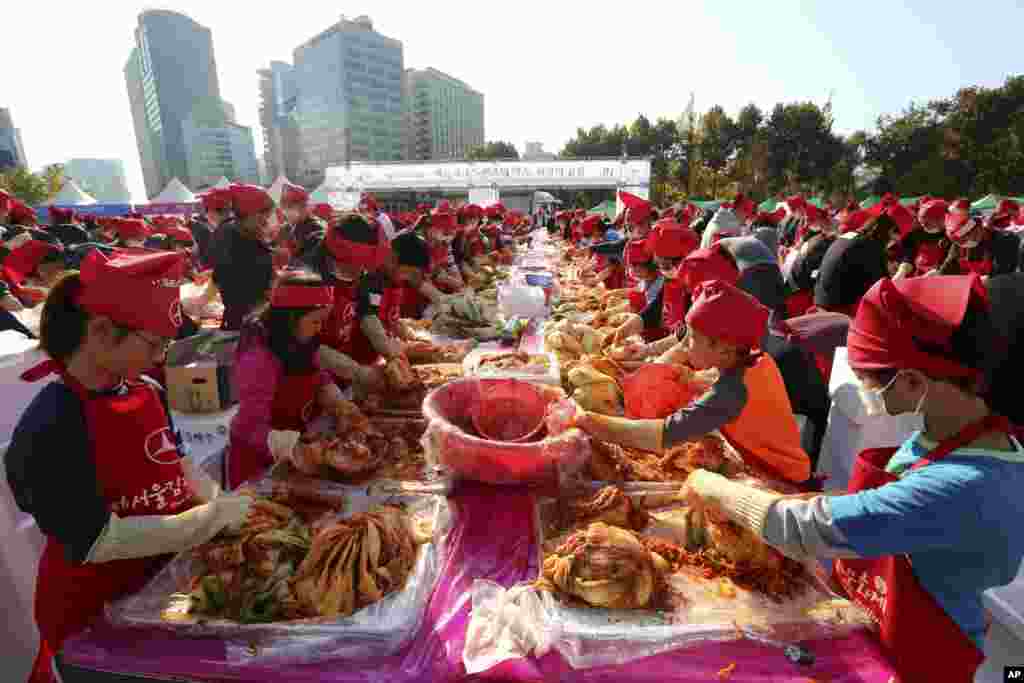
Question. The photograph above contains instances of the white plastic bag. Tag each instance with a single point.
(522, 301)
(505, 624)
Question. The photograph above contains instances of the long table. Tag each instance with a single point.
(473, 551)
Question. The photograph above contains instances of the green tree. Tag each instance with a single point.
(492, 151)
(717, 144)
(30, 188)
(54, 177)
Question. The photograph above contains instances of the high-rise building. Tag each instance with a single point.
(171, 68)
(12, 152)
(104, 179)
(348, 104)
(443, 116)
(216, 145)
(277, 105)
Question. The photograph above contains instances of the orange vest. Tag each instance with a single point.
(766, 433)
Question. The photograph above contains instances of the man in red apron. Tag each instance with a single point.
(124, 498)
(928, 527)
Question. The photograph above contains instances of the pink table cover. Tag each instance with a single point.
(493, 538)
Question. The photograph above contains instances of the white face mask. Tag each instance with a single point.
(874, 400)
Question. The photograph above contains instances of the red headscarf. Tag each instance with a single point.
(896, 320)
(704, 265)
(672, 240)
(724, 312)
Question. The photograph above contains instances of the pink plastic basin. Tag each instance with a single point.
(509, 411)
(451, 409)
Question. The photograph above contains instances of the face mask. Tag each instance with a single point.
(874, 400)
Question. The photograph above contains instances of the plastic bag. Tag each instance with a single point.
(505, 624)
(449, 441)
(380, 629)
(657, 390)
(589, 637)
(522, 301)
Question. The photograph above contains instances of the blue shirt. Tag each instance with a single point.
(958, 519)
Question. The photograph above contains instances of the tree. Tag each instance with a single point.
(30, 188)
(54, 177)
(717, 144)
(492, 151)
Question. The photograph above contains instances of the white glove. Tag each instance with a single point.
(148, 536)
(282, 445)
(19, 240)
(205, 488)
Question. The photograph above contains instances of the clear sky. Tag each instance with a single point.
(545, 68)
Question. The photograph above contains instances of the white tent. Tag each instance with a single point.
(72, 195)
(221, 183)
(174, 193)
(277, 187)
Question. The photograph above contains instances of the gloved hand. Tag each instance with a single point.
(281, 444)
(284, 446)
(745, 505)
(646, 435)
(148, 536)
(634, 324)
(205, 488)
(369, 377)
(19, 240)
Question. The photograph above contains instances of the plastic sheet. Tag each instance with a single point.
(548, 372)
(379, 629)
(589, 637)
(450, 443)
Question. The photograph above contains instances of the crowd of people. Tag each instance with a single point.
(929, 300)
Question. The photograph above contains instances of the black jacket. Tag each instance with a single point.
(243, 270)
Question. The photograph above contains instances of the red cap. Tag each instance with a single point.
(959, 222)
(470, 211)
(897, 320)
(59, 216)
(178, 234)
(5, 201)
(672, 240)
(138, 291)
(293, 194)
(724, 312)
(323, 211)
(796, 203)
(705, 265)
(356, 241)
(250, 199)
(852, 220)
(444, 205)
(932, 210)
(743, 204)
(1004, 213)
(216, 198)
(21, 214)
(444, 221)
(590, 224)
(301, 296)
(637, 252)
(131, 228)
(496, 210)
(900, 215)
(368, 202)
(638, 208)
(23, 261)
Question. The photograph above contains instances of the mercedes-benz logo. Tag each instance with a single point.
(161, 447)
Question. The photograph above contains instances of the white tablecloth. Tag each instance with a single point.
(850, 430)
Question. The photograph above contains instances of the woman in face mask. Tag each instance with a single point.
(928, 527)
(978, 247)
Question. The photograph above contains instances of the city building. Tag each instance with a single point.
(348, 102)
(277, 104)
(534, 151)
(443, 117)
(217, 146)
(12, 152)
(171, 67)
(104, 179)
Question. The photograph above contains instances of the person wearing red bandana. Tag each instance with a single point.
(131, 232)
(243, 267)
(281, 386)
(923, 249)
(471, 248)
(6, 204)
(978, 247)
(854, 262)
(744, 261)
(926, 528)
(748, 402)
(670, 243)
(22, 215)
(441, 233)
(29, 271)
(803, 262)
(499, 247)
(59, 216)
(302, 223)
(216, 204)
(124, 498)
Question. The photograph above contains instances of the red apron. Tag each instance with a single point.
(616, 279)
(340, 325)
(674, 305)
(798, 303)
(389, 311)
(139, 471)
(912, 625)
(295, 406)
(982, 267)
(929, 257)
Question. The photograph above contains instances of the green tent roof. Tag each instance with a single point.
(987, 203)
(870, 201)
(707, 204)
(607, 208)
(768, 205)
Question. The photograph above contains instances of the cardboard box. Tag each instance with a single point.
(199, 373)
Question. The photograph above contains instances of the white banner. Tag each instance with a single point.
(609, 173)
